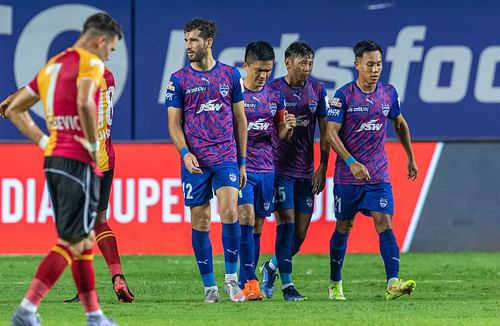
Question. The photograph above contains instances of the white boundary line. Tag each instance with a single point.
(423, 196)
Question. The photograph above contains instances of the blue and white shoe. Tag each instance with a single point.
(268, 277)
(290, 293)
(100, 321)
(23, 317)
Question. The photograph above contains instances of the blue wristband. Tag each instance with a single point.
(350, 160)
(184, 151)
(242, 160)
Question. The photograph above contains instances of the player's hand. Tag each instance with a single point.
(289, 120)
(359, 171)
(243, 176)
(412, 170)
(92, 149)
(318, 180)
(192, 164)
(3, 106)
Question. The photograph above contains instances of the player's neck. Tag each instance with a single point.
(206, 64)
(84, 43)
(251, 86)
(294, 82)
(366, 87)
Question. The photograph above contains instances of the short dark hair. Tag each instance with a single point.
(259, 50)
(102, 23)
(299, 49)
(366, 46)
(206, 27)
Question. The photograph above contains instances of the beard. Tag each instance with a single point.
(198, 56)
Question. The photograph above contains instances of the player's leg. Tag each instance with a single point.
(226, 185)
(246, 218)
(197, 192)
(346, 201)
(379, 201)
(257, 231)
(304, 206)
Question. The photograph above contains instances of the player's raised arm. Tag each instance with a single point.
(403, 131)
(241, 133)
(17, 112)
(357, 169)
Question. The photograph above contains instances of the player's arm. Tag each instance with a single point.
(286, 123)
(6, 102)
(359, 171)
(86, 89)
(17, 112)
(177, 135)
(241, 133)
(403, 131)
(319, 177)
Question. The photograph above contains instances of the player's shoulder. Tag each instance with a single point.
(225, 68)
(316, 84)
(387, 87)
(181, 72)
(276, 83)
(346, 89)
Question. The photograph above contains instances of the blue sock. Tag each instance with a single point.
(256, 255)
(338, 247)
(231, 234)
(274, 260)
(284, 235)
(203, 252)
(297, 243)
(247, 251)
(389, 251)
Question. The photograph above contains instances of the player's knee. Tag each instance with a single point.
(229, 214)
(259, 222)
(201, 221)
(101, 218)
(246, 215)
(344, 227)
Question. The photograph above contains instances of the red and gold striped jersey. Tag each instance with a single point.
(104, 121)
(56, 85)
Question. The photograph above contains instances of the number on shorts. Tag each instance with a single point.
(338, 204)
(188, 188)
(279, 194)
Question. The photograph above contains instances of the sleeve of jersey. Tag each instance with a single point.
(280, 110)
(237, 95)
(174, 96)
(395, 107)
(32, 87)
(324, 104)
(337, 108)
(91, 68)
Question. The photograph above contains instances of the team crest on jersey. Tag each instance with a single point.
(232, 177)
(309, 202)
(273, 108)
(224, 89)
(267, 205)
(313, 105)
(385, 109)
(171, 86)
(383, 202)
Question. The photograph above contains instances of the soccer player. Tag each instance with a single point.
(264, 108)
(296, 183)
(207, 123)
(105, 237)
(68, 86)
(356, 130)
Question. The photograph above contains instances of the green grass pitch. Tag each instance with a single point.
(452, 289)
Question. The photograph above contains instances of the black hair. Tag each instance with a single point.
(259, 50)
(299, 49)
(207, 28)
(102, 23)
(366, 46)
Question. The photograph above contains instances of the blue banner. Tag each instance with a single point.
(439, 54)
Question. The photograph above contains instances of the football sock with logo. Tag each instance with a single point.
(203, 253)
(284, 235)
(106, 242)
(297, 243)
(389, 251)
(47, 274)
(231, 235)
(338, 246)
(247, 251)
(84, 277)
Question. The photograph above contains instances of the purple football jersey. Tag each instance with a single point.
(295, 157)
(262, 109)
(206, 99)
(364, 119)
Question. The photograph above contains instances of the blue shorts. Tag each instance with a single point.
(258, 192)
(293, 193)
(199, 188)
(350, 199)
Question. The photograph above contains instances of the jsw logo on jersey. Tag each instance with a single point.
(370, 126)
(302, 120)
(211, 105)
(259, 125)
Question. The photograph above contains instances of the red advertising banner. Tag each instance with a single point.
(146, 208)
